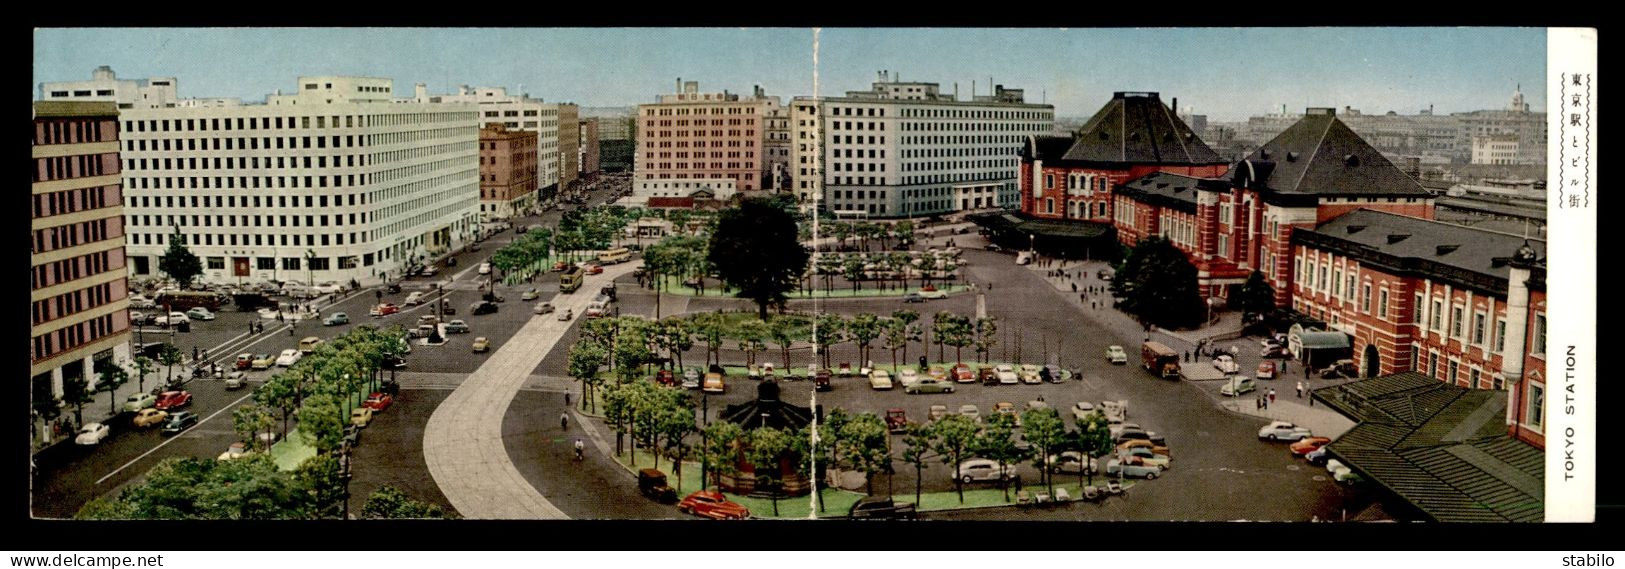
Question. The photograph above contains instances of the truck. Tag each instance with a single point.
(570, 280)
(1160, 360)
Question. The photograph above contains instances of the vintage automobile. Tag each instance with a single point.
(378, 402)
(1030, 374)
(360, 416)
(1307, 445)
(1266, 370)
(713, 383)
(1146, 471)
(149, 417)
(652, 483)
(1007, 374)
(1070, 462)
(962, 373)
(983, 470)
(968, 410)
(91, 433)
(896, 420)
(1145, 456)
(173, 400)
(179, 421)
(138, 401)
(384, 309)
(236, 380)
(481, 345)
(880, 380)
(1082, 410)
(543, 308)
(930, 385)
(1116, 354)
(711, 504)
(262, 361)
(243, 361)
(937, 412)
(882, 508)
(1283, 431)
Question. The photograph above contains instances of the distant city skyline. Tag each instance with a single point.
(1228, 74)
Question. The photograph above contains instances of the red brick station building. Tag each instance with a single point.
(1340, 233)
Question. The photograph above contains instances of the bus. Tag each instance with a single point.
(616, 255)
(571, 279)
(1160, 360)
(187, 299)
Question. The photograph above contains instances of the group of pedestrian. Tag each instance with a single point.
(1265, 398)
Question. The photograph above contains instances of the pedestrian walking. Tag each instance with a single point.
(1306, 370)
(564, 421)
(1081, 297)
(1300, 390)
(1264, 400)
(567, 400)
(1258, 402)
(194, 353)
(1074, 287)
(1272, 395)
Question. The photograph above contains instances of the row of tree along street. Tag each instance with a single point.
(318, 391)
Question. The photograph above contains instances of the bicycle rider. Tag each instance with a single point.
(580, 447)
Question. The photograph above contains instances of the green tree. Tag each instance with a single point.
(585, 360)
(920, 443)
(751, 334)
(245, 421)
(320, 479)
(829, 265)
(1093, 438)
(755, 250)
(76, 392)
(764, 448)
(831, 330)
(1158, 283)
(896, 333)
(865, 446)
(178, 262)
(675, 423)
(389, 503)
(722, 450)
(852, 269)
(943, 325)
(709, 327)
(1044, 429)
(911, 332)
(679, 337)
(170, 356)
(249, 488)
(905, 232)
(1255, 297)
(109, 378)
(960, 334)
(995, 442)
(783, 332)
(987, 336)
(321, 423)
(280, 393)
(863, 329)
(955, 437)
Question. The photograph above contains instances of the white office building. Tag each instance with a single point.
(104, 85)
(905, 149)
(333, 183)
(513, 112)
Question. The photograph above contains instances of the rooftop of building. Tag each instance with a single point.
(1321, 156)
(1442, 448)
(1417, 242)
(1169, 190)
(51, 109)
(1133, 128)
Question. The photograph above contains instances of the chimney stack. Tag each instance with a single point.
(1176, 107)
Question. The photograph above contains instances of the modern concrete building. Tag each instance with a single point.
(333, 183)
(518, 112)
(104, 85)
(905, 149)
(569, 144)
(691, 135)
(776, 146)
(1497, 149)
(589, 151)
(79, 317)
(507, 172)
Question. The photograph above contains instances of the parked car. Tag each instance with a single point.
(149, 418)
(937, 412)
(199, 313)
(937, 373)
(1307, 445)
(1070, 462)
(1145, 456)
(986, 376)
(360, 416)
(896, 420)
(481, 345)
(173, 400)
(288, 358)
(963, 374)
(711, 504)
(1156, 446)
(309, 344)
(1318, 456)
(138, 401)
(652, 483)
(882, 508)
(235, 451)
(1006, 374)
(336, 319)
(530, 295)
(1082, 409)
(983, 470)
(180, 421)
(236, 380)
(691, 378)
(457, 327)
(543, 308)
(880, 380)
(932, 292)
(91, 433)
(930, 385)
(262, 361)
(1266, 370)
(1117, 429)
(971, 411)
(821, 380)
(1226, 364)
(913, 297)
(141, 301)
(1030, 374)
(908, 377)
(1237, 386)
(384, 309)
(1283, 431)
(1116, 354)
(1116, 467)
(1341, 472)
(713, 383)
(378, 402)
(1278, 352)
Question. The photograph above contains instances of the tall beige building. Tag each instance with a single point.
(692, 136)
(79, 296)
(569, 144)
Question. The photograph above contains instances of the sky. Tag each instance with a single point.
(1225, 73)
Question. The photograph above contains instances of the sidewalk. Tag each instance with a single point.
(1322, 420)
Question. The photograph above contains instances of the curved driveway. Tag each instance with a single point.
(462, 442)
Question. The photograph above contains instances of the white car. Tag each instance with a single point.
(936, 293)
(172, 319)
(983, 470)
(91, 433)
(1082, 409)
(328, 288)
(1341, 472)
(1117, 428)
(414, 299)
(1226, 364)
(1029, 374)
(1116, 355)
(1283, 431)
(908, 377)
(485, 268)
(141, 301)
(880, 380)
(199, 313)
(288, 358)
(1006, 374)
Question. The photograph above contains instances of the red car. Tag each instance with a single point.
(1308, 445)
(385, 309)
(594, 269)
(896, 420)
(963, 374)
(1266, 370)
(560, 266)
(244, 361)
(665, 377)
(173, 400)
(378, 402)
(714, 505)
